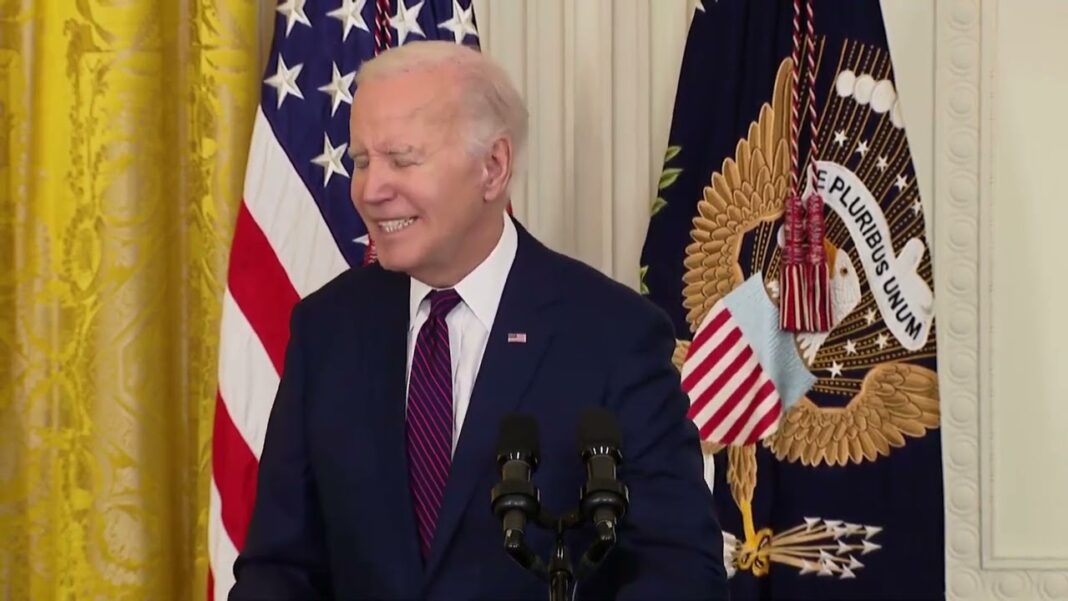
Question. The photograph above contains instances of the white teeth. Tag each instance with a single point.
(396, 225)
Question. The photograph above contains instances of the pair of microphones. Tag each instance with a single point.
(603, 499)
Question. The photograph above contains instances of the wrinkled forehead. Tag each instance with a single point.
(414, 105)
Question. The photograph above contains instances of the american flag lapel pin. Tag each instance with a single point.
(517, 337)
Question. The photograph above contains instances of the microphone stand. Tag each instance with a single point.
(561, 576)
(561, 572)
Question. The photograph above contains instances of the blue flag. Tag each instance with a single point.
(826, 447)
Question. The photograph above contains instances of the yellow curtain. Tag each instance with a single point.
(124, 126)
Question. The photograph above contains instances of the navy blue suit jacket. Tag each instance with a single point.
(333, 515)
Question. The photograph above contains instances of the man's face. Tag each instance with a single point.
(419, 191)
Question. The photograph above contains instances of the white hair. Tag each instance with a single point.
(489, 101)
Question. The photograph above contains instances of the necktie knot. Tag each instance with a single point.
(443, 301)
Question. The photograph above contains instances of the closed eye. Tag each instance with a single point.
(402, 158)
(398, 159)
(359, 157)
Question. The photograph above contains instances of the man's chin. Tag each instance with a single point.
(389, 262)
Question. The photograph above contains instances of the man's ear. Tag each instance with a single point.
(497, 169)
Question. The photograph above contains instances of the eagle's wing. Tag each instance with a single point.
(748, 189)
(895, 400)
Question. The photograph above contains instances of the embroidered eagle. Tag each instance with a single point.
(896, 400)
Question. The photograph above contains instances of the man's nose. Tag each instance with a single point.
(374, 182)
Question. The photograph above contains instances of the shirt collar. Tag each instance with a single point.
(481, 289)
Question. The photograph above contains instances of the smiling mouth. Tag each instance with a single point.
(395, 225)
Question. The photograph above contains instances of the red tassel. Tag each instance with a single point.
(805, 289)
(792, 306)
(792, 294)
(818, 285)
(820, 299)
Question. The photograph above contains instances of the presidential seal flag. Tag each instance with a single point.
(788, 187)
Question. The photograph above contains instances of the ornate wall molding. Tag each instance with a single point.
(964, 67)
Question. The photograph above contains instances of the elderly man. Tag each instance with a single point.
(376, 473)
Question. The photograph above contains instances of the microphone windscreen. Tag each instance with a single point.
(597, 427)
(518, 434)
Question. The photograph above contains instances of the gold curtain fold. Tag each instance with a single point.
(124, 127)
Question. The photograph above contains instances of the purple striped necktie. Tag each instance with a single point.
(429, 416)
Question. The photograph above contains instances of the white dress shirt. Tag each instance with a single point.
(469, 323)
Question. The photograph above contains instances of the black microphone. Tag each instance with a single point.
(515, 500)
(604, 497)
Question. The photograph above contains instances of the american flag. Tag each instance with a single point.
(732, 400)
(741, 370)
(296, 227)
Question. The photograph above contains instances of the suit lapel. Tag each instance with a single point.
(504, 375)
(387, 370)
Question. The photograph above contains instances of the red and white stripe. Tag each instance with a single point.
(281, 252)
(732, 399)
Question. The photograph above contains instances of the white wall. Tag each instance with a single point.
(999, 154)
(1027, 271)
